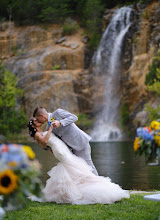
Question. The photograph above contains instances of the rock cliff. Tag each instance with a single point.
(46, 64)
(55, 70)
(139, 52)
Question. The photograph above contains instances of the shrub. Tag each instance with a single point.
(124, 114)
(153, 113)
(84, 121)
(11, 120)
(152, 75)
(155, 87)
(70, 26)
(94, 40)
(57, 67)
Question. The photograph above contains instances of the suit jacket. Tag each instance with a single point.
(73, 136)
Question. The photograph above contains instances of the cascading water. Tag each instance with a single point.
(107, 62)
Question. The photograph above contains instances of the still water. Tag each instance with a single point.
(115, 160)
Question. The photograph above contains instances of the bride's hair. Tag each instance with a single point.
(31, 127)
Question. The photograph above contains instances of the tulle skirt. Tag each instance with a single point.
(74, 183)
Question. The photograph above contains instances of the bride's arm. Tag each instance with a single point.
(43, 139)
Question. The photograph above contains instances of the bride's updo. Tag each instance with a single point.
(31, 127)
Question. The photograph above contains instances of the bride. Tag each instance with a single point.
(72, 180)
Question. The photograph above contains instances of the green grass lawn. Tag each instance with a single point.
(134, 208)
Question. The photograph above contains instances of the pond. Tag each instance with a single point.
(115, 160)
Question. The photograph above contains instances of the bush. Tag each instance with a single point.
(152, 75)
(155, 87)
(124, 114)
(54, 11)
(153, 113)
(70, 26)
(92, 19)
(84, 121)
(11, 120)
(57, 67)
(94, 41)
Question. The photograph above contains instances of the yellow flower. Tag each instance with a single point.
(29, 152)
(136, 144)
(52, 119)
(12, 164)
(157, 140)
(155, 125)
(8, 182)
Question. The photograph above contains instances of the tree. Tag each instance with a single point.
(54, 11)
(11, 120)
(93, 21)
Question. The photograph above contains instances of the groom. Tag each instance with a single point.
(66, 129)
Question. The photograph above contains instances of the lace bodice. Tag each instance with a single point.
(59, 148)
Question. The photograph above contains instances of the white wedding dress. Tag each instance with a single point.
(72, 181)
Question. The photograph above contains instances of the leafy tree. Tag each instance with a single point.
(54, 11)
(11, 120)
(93, 20)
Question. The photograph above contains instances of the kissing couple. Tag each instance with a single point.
(75, 179)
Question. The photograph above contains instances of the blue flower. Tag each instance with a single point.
(145, 134)
(139, 132)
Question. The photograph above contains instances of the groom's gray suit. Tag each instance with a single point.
(73, 136)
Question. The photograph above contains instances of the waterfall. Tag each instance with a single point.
(107, 63)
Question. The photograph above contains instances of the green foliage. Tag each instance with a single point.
(23, 12)
(57, 67)
(134, 40)
(153, 113)
(152, 75)
(124, 114)
(84, 121)
(54, 11)
(147, 1)
(145, 14)
(155, 87)
(94, 40)
(70, 26)
(11, 120)
(93, 21)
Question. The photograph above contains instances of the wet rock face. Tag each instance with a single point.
(47, 65)
(139, 52)
(51, 90)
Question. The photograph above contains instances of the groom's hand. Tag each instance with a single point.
(56, 124)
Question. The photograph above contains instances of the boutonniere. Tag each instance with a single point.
(49, 122)
(52, 119)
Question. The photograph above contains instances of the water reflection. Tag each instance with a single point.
(113, 159)
(117, 160)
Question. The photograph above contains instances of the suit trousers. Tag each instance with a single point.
(86, 155)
